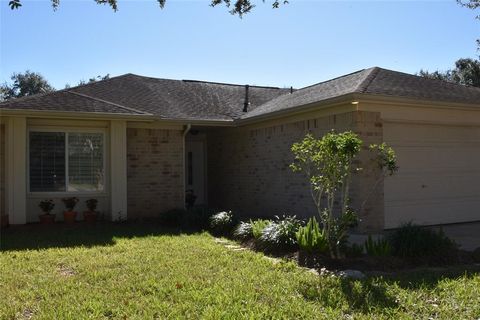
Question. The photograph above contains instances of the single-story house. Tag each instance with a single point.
(137, 144)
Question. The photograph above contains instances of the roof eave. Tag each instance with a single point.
(76, 115)
(112, 116)
(416, 102)
(327, 103)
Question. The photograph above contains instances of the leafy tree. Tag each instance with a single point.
(239, 7)
(466, 72)
(90, 80)
(328, 164)
(24, 84)
(471, 4)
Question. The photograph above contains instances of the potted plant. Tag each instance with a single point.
(47, 207)
(69, 215)
(190, 198)
(90, 215)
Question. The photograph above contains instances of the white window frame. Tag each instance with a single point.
(67, 130)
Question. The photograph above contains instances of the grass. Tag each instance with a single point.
(117, 271)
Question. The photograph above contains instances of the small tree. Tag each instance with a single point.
(329, 164)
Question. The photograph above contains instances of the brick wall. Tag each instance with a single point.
(155, 171)
(248, 168)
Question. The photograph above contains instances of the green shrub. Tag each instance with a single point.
(258, 226)
(311, 238)
(172, 217)
(243, 231)
(222, 223)
(353, 251)
(420, 245)
(378, 248)
(281, 233)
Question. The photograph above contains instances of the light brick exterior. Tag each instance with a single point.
(248, 168)
(154, 171)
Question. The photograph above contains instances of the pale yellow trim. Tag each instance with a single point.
(42, 122)
(118, 169)
(154, 125)
(16, 169)
(423, 114)
(75, 115)
(404, 101)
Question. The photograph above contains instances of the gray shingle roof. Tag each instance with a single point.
(197, 100)
(375, 81)
(66, 100)
(180, 99)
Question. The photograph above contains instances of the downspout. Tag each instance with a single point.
(185, 132)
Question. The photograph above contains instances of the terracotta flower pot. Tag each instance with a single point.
(90, 216)
(4, 221)
(69, 216)
(47, 218)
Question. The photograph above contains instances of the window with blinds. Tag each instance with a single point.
(66, 161)
(47, 161)
(85, 162)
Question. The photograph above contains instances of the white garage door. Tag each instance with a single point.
(439, 177)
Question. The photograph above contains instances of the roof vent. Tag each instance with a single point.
(246, 102)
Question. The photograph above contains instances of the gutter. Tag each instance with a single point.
(185, 132)
(76, 115)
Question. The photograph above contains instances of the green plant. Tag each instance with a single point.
(311, 238)
(243, 231)
(281, 233)
(378, 248)
(421, 245)
(328, 164)
(258, 226)
(173, 217)
(47, 206)
(354, 250)
(92, 204)
(222, 223)
(70, 203)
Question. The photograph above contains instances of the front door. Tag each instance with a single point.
(195, 170)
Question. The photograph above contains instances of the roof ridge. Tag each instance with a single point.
(108, 102)
(363, 86)
(209, 82)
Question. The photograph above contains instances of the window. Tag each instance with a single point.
(66, 161)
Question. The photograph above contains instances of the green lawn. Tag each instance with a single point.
(142, 272)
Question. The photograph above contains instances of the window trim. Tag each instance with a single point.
(67, 130)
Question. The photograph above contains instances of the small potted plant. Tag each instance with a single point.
(47, 207)
(190, 198)
(69, 215)
(90, 215)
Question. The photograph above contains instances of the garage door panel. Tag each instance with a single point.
(438, 180)
(428, 132)
(441, 158)
(431, 186)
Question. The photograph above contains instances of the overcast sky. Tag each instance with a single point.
(299, 44)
